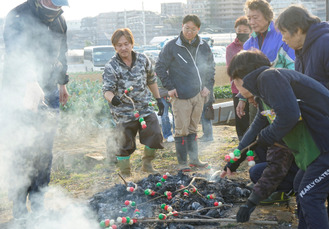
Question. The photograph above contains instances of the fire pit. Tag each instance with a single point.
(169, 198)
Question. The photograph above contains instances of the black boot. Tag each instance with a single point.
(192, 148)
(181, 152)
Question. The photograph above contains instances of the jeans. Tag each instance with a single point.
(166, 125)
(206, 126)
(312, 188)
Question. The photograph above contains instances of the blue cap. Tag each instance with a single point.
(60, 2)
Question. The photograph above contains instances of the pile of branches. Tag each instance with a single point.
(193, 199)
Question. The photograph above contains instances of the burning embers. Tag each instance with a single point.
(166, 197)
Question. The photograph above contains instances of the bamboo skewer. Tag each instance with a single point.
(221, 220)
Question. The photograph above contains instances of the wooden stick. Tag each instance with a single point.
(242, 151)
(124, 181)
(136, 186)
(225, 220)
(208, 208)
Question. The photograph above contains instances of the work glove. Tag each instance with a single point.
(116, 101)
(232, 166)
(160, 106)
(245, 212)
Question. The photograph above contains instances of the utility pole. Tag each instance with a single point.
(125, 18)
(144, 29)
(327, 10)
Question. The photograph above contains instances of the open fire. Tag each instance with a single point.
(166, 197)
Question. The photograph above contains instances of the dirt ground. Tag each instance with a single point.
(80, 168)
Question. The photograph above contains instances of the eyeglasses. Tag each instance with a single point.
(187, 29)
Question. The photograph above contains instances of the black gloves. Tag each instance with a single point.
(232, 166)
(245, 212)
(116, 101)
(160, 106)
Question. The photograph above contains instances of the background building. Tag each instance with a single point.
(221, 14)
(217, 16)
(173, 9)
(316, 7)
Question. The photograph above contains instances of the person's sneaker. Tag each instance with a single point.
(170, 139)
(200, 165)
(275, 197)
(183, 168)
(206, 139)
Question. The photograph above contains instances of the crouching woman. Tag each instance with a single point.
(297, 110)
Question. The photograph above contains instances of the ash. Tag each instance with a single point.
(109, 204)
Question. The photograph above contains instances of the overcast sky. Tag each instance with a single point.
(84, 8)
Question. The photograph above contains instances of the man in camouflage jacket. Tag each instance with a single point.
(125, 80)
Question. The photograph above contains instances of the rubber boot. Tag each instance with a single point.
(124, 165)
(192, 148)
(149, 155)
(181, 153)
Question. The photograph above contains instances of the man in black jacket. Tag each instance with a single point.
(186, 68)
(33, 86)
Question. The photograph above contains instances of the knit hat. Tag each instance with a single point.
(60, 2)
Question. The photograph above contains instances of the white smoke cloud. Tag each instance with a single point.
(23, 134)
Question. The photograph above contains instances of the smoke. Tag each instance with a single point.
(61, 211)
(27, 129)
(21, 160)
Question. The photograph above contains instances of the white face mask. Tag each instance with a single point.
(49, 8)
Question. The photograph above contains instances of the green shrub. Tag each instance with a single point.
(223, 92)
(221, 64)
(86, 107)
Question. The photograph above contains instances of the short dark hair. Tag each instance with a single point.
(193, 18)
(295, 17)
(122, 32)
(263, 6)
(245, 62)
(243, 20)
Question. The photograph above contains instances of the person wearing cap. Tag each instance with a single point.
(33, 85)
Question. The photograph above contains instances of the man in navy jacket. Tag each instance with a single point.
(186, 68)
(299, 108)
